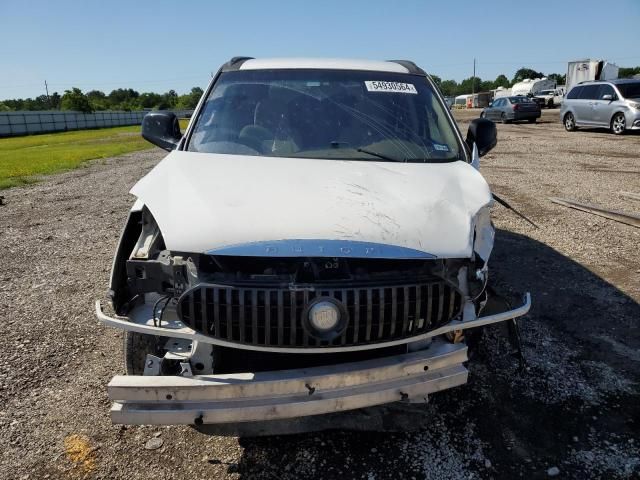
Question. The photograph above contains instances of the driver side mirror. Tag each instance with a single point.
(483, 133)
(607, 97)
(161, 129)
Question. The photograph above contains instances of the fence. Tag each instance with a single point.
(28, 122)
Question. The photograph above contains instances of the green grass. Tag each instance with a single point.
(24, 159)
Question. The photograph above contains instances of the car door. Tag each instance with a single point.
(494, 111)
(584, 105)
(505, 108)
(488, 112)
(604, 108)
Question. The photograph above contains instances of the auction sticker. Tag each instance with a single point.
(441, 148)
(393, 87)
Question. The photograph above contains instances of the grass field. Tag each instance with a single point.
(23, 159)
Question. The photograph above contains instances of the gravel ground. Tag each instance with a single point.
(574, 412)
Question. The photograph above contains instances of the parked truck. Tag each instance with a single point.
(550, 98)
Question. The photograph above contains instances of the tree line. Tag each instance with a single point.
(451, 88)
(128, 99)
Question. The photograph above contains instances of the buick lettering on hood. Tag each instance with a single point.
(316, 241)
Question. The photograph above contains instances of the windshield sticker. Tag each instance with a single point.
(394, 87)
(441, 148)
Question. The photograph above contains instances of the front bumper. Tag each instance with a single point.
(251, 397)
(633, 120)
(280, 395)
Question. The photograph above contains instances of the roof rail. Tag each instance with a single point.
(409, 65)
(235, 63)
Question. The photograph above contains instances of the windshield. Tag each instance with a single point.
(629, 90)
(325, 114)
(546, 92)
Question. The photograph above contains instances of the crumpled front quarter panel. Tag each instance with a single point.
(204, 202)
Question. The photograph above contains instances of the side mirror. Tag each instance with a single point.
(483, 133)
(161, 129)
(491, 104)
(607, 97)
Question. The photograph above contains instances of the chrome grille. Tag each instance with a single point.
(272, 317)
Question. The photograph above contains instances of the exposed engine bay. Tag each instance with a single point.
(150, 268)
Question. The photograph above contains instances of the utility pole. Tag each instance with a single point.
(473, 79)
(46, 89)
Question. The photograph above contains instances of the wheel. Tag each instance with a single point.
(531, 120)
(503, 117)
(569, 122)
(481, 114)
(550, 103)
(618, 124)
(136, 348)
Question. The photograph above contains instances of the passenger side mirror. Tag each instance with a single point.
(607, 97)
(491, 104)
(161, 129)
(483, 133)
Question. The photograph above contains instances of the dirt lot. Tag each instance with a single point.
(576, 407)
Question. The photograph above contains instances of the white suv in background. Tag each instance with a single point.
(613, 104)
(552, 98)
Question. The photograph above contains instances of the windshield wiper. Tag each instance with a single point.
(380, 155)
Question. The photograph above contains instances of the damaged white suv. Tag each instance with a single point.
(316, 241)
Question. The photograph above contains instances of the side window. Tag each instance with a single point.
(575, 92)
(589, 92)
(500, 102)
(606, 90)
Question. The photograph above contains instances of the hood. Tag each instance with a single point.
(266, 206)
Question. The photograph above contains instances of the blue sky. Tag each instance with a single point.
(160, 45)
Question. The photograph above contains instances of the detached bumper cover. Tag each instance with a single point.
(247, 397)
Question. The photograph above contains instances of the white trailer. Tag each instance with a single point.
(501, 92)
(462, 101)
(532, 86)
(585, 70)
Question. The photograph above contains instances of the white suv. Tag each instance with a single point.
(551, 98)
(614, 104)
(316, 241)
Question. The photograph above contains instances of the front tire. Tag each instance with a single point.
(503, 117)
(482, 115)
(569, 122)
(618, 124)
(136, 348)
(550, 104)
